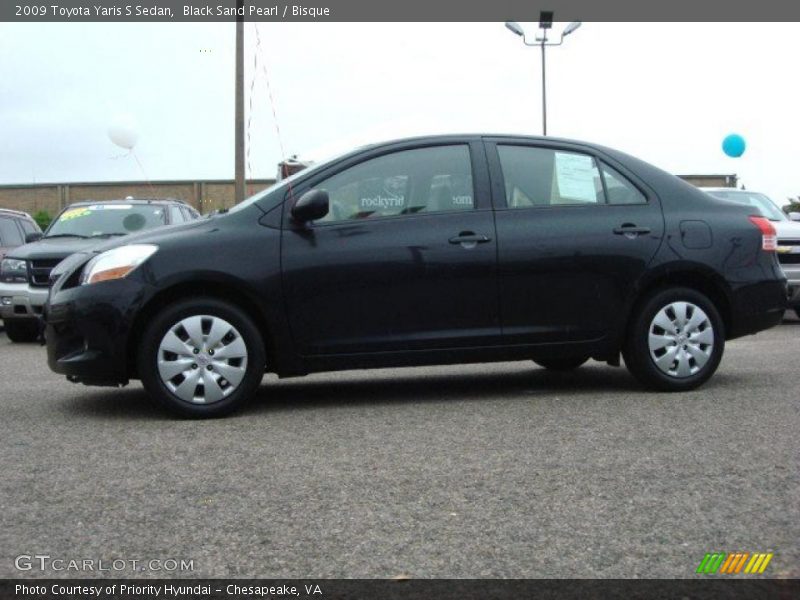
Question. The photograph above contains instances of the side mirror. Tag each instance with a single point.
(33, 237)
(311, 206)
(794, 216)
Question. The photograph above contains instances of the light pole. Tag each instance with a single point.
(238, 171)
(545, 23)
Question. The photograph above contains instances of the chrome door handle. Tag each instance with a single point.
(468, 237)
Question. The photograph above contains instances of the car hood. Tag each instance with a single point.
(160, 235)
(787, 229)
(60, 247)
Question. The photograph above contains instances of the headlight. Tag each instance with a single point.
(116, 263)
(13, 270)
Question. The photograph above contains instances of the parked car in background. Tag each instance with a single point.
(25, 271)
(15, 226)
(434, 250)
(787, 229)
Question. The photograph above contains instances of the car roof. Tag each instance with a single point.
(15, 213)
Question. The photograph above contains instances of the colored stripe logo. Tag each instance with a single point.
(734, 563)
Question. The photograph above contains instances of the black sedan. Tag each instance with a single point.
(435, 250)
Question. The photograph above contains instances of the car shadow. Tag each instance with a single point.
(365, 388)
(113, 403)
(585, 384)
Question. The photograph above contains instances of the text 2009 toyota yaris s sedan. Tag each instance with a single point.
(431, 250)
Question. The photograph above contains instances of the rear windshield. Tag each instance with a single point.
(94, 220)
(758, 201)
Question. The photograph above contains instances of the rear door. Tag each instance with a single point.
(575, 231)
(405, 260)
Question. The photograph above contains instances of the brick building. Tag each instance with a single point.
(204, 195)
(730, 181)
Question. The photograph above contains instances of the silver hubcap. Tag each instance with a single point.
(681, 339)
(202, 359)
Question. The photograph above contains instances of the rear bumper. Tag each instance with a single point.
(758, 307)
(21, 301)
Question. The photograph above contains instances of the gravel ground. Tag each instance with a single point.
(495, 470)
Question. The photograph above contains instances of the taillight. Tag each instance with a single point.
(769, 238)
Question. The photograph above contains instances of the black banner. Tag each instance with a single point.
(408, 10)
(439, 589)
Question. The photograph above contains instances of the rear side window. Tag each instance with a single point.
(423, 180)
(547, 177)
(10, 234)
(188, 213)
(619, 190)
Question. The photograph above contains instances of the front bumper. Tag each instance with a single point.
(792, 273)
(87, 329)
(21, 300)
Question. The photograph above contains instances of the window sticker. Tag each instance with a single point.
(110, 206)
(575, 176)
(387, 194)
(74, 213)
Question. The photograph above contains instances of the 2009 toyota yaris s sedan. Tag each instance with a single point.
(435, 250)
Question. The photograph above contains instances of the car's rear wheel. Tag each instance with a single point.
(201, 358)
(675, 340)
(561, 364)
(21, 330)
(797, 311)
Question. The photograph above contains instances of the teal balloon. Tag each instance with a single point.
(733, 145)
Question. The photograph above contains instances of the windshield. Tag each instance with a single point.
(95, 220)
(759, 201)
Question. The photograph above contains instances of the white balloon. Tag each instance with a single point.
(123, 132)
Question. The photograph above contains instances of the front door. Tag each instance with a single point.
(405, 259)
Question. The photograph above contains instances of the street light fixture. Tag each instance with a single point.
(545, 23)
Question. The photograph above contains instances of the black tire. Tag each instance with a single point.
(169, 318)
(561, 364)
(642, 363)
(797, 311)
(22, 330)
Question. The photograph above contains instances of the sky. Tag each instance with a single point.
(666, 92)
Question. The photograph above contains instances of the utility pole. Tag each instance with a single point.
(239, 116)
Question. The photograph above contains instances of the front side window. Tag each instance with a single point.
(95, 220)
(546, 177)
(423, 180)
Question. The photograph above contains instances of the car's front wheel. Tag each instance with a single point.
(201, 358)
(561, 364)
(21, 330)
(675, 340)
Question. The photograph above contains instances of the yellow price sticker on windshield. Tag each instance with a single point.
(74, 213)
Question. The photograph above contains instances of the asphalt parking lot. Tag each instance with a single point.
(501, 470)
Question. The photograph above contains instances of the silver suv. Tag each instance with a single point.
(788, 231)
(25, 272)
